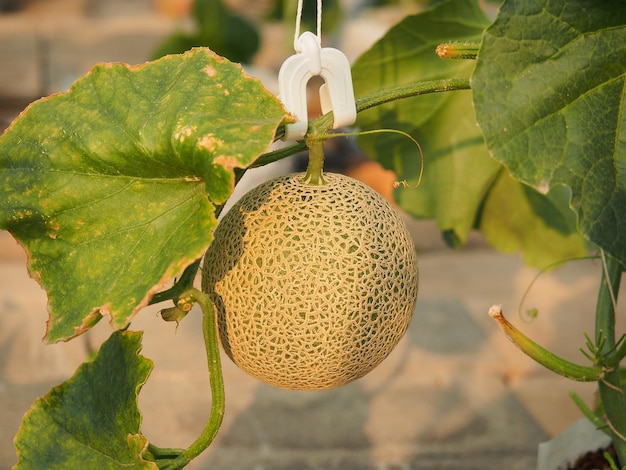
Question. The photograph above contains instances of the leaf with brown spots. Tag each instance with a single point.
(110, 187)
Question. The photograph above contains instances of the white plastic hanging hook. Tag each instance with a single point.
(310, 60)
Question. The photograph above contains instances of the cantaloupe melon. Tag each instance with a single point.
(314, 285)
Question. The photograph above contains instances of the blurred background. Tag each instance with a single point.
(46, 44)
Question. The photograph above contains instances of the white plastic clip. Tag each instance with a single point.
(336, 94)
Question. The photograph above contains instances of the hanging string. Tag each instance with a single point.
(299, 21)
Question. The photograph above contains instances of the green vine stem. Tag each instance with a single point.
(610, 387)
(180, 286)
(544, 357)
(607, 299)
(209, 329)
(408, 91)
(323, 124)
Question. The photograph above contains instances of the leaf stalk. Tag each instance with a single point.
(408, 91)
(181, 285)
(543, 356)
(589, 414)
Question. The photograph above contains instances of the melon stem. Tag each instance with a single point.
(314, 172)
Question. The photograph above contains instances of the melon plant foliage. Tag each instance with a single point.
(112, 186)
(550, 95)
(114, 183)
(463, 187)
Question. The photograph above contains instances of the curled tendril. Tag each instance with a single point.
(533, 312)
(396, 184)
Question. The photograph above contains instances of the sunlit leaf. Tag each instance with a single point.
(516, 217)
(111, 186)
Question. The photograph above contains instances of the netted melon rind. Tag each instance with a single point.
(314, 284)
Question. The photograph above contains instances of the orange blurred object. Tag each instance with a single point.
(173, 8)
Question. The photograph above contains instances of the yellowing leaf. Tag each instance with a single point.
(111, 186)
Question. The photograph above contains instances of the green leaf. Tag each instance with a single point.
(91, 420)
(458, 172)
(462, 185)
(549, 92)
(111, 186)
(516, 217)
